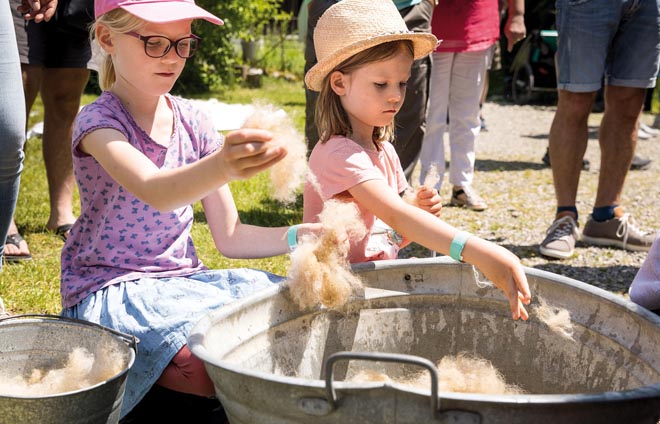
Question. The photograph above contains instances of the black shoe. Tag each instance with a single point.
(640, 164)
(546, 160)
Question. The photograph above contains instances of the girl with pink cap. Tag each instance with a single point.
(365, 55)
(142, 157)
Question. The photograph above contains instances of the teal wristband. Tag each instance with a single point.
(292, 237)
(457, 245)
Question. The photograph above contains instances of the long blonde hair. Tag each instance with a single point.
(120, 21)
(330, 116)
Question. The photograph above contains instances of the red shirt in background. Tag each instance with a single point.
(466, 25)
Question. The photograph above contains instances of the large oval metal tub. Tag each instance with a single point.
(266, 357)
(29, 342)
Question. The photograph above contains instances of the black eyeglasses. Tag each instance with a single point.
(158, 46)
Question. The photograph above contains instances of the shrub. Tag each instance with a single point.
(214, 64)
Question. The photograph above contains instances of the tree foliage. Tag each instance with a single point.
(214, 64)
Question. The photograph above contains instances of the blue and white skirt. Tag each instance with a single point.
(161, 312)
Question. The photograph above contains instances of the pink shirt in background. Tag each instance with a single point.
(466, 25)
(340, 164)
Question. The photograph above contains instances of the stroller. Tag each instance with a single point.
(533, 66)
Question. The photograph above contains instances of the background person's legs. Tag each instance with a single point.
(569, 134)
(61, 90)
(618, 139)
(12, 128)
(410, 122)
(568, 143)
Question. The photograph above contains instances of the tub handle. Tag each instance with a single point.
(129, 339)
(380, 357)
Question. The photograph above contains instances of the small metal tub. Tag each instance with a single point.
(28, 342)
(273, 363)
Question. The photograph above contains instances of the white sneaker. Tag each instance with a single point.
(642, 135)
(649, 130)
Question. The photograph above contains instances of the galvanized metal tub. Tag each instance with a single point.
(273, 363)
(28, 342)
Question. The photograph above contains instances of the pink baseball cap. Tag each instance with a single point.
(157, 11)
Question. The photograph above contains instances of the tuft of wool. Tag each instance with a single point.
(319, 271)
(368, 376)
(466, 373)
(81, 370)
(463, 373)
(287, 175)
(557, 319)
(410, 195)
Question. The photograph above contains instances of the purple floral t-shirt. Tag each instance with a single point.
(118, 237)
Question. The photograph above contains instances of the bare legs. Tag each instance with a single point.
(617, 138)
(61, 90)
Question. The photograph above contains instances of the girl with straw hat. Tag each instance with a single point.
(365, 53)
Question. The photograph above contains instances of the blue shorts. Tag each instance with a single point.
(160, 312)
(615, 39)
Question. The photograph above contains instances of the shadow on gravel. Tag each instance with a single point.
(616, 278)
(593, 134)
(499, 165)
(612, 278)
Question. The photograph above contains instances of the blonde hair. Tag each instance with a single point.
(119, 21)
(331, 118)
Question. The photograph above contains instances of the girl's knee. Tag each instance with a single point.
(186, 373)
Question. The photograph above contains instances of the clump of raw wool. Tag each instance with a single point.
(287, 175)
(410, 195)
(557, 319)
(80, 371)
(369, 376)
(463, 373)
(320, 272)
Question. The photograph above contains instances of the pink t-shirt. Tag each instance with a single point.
(339, 164)
(466, 25)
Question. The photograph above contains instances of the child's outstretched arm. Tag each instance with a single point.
(244, 154)
(499, 265)
(237, 240)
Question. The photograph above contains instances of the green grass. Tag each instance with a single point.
(33, 287)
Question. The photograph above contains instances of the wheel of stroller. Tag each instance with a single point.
(522, 84)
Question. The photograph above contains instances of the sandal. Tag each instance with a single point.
(15, 239)
(63, 231)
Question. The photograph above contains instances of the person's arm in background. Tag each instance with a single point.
(514, 29)
(39, 10)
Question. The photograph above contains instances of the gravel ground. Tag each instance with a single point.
(518, 188)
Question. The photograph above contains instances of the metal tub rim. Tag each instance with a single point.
(131, 342)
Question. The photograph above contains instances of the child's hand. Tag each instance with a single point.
(503, 268)
(247, 152)
(428, 199)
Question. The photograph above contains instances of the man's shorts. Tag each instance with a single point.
(49, 44)
(615, 39)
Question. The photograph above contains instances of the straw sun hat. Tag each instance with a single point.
(351, 26)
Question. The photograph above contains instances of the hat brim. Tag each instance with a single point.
(163, 12)
(423, 44)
